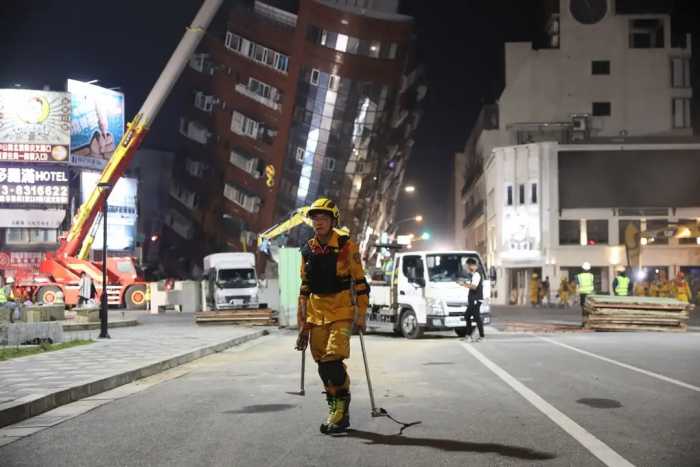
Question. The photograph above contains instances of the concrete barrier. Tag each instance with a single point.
(17, 333)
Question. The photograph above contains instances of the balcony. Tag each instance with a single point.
(202, 63)
(240, 197)
(195, 168)
(246, 163)
(204, 102)
(261, 93)
(183, 195)
(195, 131)
(275, 14)
(180, 224)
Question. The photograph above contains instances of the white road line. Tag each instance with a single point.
(623, 365)
(596, 447)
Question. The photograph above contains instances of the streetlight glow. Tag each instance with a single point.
(410, 189)
(419, 218)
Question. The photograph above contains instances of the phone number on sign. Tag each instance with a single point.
(46, 194)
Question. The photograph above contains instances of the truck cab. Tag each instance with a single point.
(426, 293)
(230, 281)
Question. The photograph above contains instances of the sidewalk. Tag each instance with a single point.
(32, 385)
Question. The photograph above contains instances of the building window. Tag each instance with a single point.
(521, 193)
(300, 154)
(203, 102)
(393, 50)
(681, 113)
(333, 82)
(601, 109)
(14, 236)
(659, 227)
(242, 125)
(680, 72)
(691, 224)
(533, 193)
(509, 195)
(646, 33)
(261, 89)
(257, 52)
(600, 67)
(329, 164)
(597, 232)
(315, 76)
(569, 232)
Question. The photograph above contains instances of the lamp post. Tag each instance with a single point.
(104, 334)
(395, 225)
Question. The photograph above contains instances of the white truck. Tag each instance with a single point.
(424, 293)
(230, 281)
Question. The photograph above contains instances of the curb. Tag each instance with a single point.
(32, 406)
(95, 326)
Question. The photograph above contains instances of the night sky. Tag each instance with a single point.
(126, 43)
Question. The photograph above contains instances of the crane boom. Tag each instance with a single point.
(137, 129)
(298, 217)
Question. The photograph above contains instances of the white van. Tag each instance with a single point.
(425, 294)
(230, 281)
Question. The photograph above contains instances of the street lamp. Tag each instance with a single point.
(409, 189)
(104, 334)
(417, 219)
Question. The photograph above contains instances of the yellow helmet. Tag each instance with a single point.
(324, 205)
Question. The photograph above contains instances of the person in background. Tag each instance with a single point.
(563, 292)
(622, 285)
(681, 289)
(641, 289)
(544, 293)
(84, 289)
(586, 282)
(7, 299)
(535, 287)
(573, 291)
(476, 295)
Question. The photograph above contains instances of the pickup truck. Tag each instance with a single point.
(425, 293)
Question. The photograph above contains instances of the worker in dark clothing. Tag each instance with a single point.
(476, 295)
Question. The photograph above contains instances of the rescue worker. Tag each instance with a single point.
(331, 266)
(622, 286)
(563, 292)
(641, 289)
(7, 299)
(586, 282)
(664, 286)
(573, 291)
(544, 292)
(535, 287)
(681, 289)
(148, 297)
(84, 289)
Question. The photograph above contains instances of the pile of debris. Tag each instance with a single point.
(612, 313)
(248, 316)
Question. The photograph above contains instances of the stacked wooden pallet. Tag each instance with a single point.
(248, 316)
(611, 313)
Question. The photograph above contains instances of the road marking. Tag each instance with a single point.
(596, 447)
(623, 365)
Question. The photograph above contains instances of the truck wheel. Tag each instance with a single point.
(461, 332)
(409, 325)
(47, 294)
(135, 297)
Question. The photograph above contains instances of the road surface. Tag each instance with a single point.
(584, 399)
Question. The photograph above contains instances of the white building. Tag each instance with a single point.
(589, 134)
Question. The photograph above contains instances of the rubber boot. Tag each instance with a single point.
(331, 411)
(339, 420)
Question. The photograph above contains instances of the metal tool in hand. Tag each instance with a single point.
(301, 345)
(376, 411)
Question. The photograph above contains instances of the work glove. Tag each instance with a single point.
(302, 341)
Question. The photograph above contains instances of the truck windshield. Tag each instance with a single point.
(450, 267)
(236, 278)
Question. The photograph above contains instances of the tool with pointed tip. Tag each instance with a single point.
(303, 371)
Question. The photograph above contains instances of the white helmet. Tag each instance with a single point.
(586, 266)
(10, 280)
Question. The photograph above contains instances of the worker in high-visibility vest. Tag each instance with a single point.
(586, 282)
(622, 285)
(564, 290)
(681, 289)
(7, 299)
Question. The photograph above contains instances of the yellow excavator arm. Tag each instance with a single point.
(298, 217)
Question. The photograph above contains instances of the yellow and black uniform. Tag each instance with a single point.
(328, 272)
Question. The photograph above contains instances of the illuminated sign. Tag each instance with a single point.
(97, 122)
(20, 259)
(34, 125)
(33, 185)
(32, 218)
(521, 232)
(122, 215)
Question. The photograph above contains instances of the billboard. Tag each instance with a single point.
(97, 123)
(122, 215)
(521, 233)
(11, 261)
(34, 125)
(21, 183)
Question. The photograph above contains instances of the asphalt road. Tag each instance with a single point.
(508, 400)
